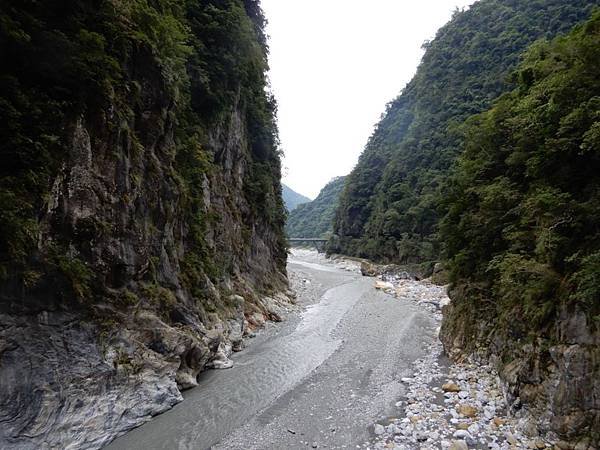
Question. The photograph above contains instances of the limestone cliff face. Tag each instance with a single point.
(156, 239)
(552, 376)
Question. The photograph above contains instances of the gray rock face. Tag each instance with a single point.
(59, 388)
(78, 370)
(554, 377)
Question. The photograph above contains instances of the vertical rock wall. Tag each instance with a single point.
(151, 259)
(552, 380)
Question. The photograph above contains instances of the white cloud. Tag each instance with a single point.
(334, 66)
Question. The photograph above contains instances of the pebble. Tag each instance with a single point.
(467, 410)
(463, 434)
(473, 429)
(450, 387)
(510, 439)
(459, 445)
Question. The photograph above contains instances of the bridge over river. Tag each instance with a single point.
(318, 243)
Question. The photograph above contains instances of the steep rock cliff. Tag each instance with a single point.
(523, 238)
(142, 220)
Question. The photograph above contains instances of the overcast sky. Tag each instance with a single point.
(334, 66)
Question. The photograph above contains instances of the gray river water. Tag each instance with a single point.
(338, 362)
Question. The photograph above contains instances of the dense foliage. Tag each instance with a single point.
(291, 198)
(69, 59)
(523, 221)
(389, 208)
(56, 63)
(315, 219)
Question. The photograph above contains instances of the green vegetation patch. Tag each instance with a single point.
(524, 199)
(80, 62)
(315, 219)
(390, 208)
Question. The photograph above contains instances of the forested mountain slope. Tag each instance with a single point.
(315, 219)
(389, 210)
(523, 236)
(291, 198)
(141, 219)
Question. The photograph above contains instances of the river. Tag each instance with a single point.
(320, 378)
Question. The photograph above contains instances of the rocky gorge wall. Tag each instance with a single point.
(152, 239)
(508, 198)
(548, 378)
(522, 239)
(551, 379)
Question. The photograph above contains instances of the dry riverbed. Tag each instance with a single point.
(376, 338)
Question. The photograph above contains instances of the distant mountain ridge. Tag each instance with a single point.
(315, 219)
(291, 198)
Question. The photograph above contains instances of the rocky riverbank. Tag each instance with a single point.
(456, 407)
(452, 405)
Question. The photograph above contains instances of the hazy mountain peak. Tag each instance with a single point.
(291, 198)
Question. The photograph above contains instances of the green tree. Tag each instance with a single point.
(523, 202)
